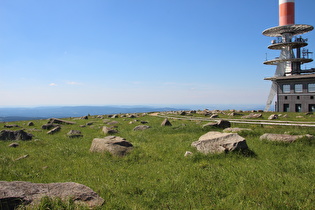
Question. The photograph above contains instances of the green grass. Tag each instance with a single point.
(156, 175)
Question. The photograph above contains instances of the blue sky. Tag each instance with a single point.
(131, 52)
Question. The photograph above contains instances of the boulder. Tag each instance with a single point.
(54, 130)
(109, 130)
(273, 117)
(218, 124)
(252, 116)
(74, 134)
(49, 126)
(113, 144)
(214, 116)
(141, 127)
(14, 145)
(166, 122)
(59, 121)
(15, 135)
(11, 126)
(30, 124)
(217, 142)
(13, 194)
(283, 137)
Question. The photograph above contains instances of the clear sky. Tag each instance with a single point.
(138, 52)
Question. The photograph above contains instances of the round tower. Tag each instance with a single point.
(290, 44)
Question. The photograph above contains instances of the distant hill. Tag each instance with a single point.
(17, 114)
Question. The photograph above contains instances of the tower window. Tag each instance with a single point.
(286, 88)
(298, 88)
(298, 97)
(312, 97)
(311, 87)
(285, 97)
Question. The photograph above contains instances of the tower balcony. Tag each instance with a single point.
(293, 60)
(278, 44)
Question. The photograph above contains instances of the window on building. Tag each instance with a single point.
(312, 97)
(311, 107)
(286, 107)
(286, 88)
(298, 88)
(311, 87)
(298, 97)
(298, 107)
(285, 97)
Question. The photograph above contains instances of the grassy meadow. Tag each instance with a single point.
(156, 175)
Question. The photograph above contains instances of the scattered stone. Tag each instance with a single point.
(235, 130)
(188, 153)
(141, 127)
(131, 116)
(217, 142)
(74, 134)
(84, 118)
(14, 145)
(211, 124)
(100, 116)
(182, 113)
(59, 121)
(214, 116)
(16, 193)
(82, 126)
(54, 130)
(115, 116)
(109, 130)
(15, 135)
(49, 126)
(112, 123)
(89, 123)
(218, 124)
(22, 157)
(11, 126)
(283, 137)
(252, 116)
(144, 122)
(114, 144)
(166, 122)
(30, 124)
(273, 117)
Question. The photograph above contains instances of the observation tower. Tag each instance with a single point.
(294, 87)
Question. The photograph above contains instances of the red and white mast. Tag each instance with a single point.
(286, 12)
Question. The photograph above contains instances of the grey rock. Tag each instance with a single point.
(218, 124)
(15, 135)
(14, 145)
(109, 130)
(283, 137)
(54, 130)
(30, 124)
(74, 134)
(273, 117)
(217, 142)
(252, 116)
(49, 126)
(59, 121)
(141, 127)
(13, 194)
(114, 144)
(11, 126)
(166, 122)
